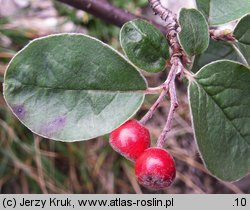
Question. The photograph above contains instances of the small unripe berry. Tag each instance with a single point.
(130, 139)
(155, 169)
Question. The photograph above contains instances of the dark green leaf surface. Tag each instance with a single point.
(242, 30)
(223, 11)
(220, 105)
(242, 34)
(204, 7)
(244, 51)
(144, 45)
(194, 36)
(217, 50)
(72, 87)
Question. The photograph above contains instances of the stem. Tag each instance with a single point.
(173, 107)
(164, 13)
(164, 92)
(224, 35)
(176, 64)
(178, 56)
(153, 108)
(149, 91)
(154, 90)
(189, 75)
(107, 12)
(104, 10)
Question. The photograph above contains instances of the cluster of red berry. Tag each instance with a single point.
(154, 167)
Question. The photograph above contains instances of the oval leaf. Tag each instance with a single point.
(72, 87)
(144, 45)
(217, 50)
(242, 34)
(220, 106)
(223, 11)
(194, 36)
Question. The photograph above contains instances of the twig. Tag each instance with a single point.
(154, 90)
(171, 34)
(107, 12)
(223, 35)
(173, 106)
(164, 92)
(117, 16)
(189, 75)
(153, 108)
(164, 13)
(178, 57)
(172, 25)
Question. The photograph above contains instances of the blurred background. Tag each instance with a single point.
(31, 164)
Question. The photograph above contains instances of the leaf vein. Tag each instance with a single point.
(224, 113)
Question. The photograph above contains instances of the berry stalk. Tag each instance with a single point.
(173, 105)
(153, 108)
(178, 58)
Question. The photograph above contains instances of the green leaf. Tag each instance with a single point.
(216, 50)
(194, 36)
(72, 87)
(144, 45)
(223, 11)
(203, 6)
(242, 30)
(223, 50)
(220, 105)
(242, 34)
(244, 50)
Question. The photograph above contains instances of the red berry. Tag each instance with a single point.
(130, 139)
(155, 169)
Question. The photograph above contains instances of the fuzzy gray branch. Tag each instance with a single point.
(177, 58)
(173, 101)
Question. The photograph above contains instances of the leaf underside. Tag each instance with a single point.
(72, 87)
(220, 106)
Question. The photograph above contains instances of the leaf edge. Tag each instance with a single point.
(71, 34)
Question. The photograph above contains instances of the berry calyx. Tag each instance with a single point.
(130, 139)
(155, 169)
